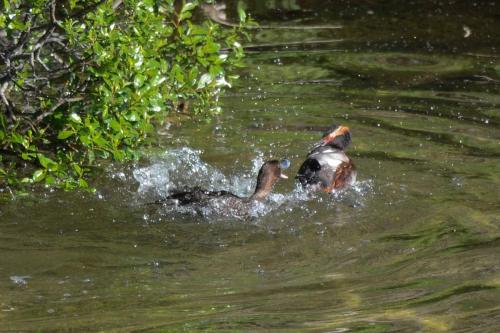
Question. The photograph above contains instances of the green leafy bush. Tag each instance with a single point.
(82, 81)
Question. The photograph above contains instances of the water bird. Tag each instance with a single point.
(226, 202)
(327, 167)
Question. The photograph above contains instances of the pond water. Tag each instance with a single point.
(412, 247)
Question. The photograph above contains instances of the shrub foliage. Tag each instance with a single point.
(82, 81)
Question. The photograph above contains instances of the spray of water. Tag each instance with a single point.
(183, 168)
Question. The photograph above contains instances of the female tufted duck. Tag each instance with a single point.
(269, 174)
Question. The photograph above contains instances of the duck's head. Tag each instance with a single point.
(269, 174)
(336, 136)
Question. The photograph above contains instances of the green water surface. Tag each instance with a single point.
(414, 248)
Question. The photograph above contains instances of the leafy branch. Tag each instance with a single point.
(83, 81)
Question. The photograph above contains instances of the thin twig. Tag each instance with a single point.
(8, 105)
(78, 14)
(61, 102)
(53, 13)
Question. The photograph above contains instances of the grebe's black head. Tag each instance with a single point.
(269, 174)
(336, 136)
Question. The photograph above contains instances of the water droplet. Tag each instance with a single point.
(20, 280)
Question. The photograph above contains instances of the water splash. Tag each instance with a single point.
(20, 280)
(355, 195)
(183, 168)
(178, 169)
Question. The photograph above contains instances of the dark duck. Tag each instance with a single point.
(327, 167)
(228, 203)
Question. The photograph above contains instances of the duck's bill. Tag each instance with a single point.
(284, 164)
(283, 176)
(320, 143)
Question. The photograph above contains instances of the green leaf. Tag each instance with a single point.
(241, 12)
(38, 175)
(115, 125)
(50, 180)
(78, 169)
(193, 75)
(211, 47)
(65, 134)
(47, 163)
(204, 80)
(100, 141)
(186, 10)
(216, 71)
(22, 140)
(118, 155)
(27, 156)
(82, 183)
(91, 157)
(75, 118)
(131, 116)
(84, 138)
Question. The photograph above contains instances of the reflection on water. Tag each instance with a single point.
(413, 247)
